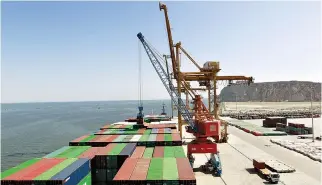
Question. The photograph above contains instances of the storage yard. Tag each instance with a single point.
(261, 110)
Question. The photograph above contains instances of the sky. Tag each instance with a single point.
(88, 51)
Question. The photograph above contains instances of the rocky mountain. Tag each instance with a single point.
(295, 91)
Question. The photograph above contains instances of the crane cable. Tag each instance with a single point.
(140, 75)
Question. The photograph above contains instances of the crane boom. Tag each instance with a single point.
(171, 45)
(188, 117)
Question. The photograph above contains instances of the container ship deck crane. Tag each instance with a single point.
(201, 124)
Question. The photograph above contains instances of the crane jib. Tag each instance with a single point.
(186, 114)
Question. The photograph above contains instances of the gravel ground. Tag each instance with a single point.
(309, 149)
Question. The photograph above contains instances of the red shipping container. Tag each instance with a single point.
(111, 138)
(160, 137)
(105, 150)
(184, 169)
(126, 170)
(103, 138)
(141, 169)
(158, 151)
(138, 152)
(141, 131)
(80, 138)
(176, 137)
(34, 170)
(97, 138)
(90, 153)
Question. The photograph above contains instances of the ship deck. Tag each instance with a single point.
(237, 168)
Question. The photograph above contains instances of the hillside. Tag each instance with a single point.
(295, 91)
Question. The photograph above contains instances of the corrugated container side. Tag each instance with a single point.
(176, 139)
(178, 151)
(111, 138)
(135, 138)
(41, 169)
(168, 151)
(138, 152)
(125, 153)
(101, 160)
(27, 170)
(88, 138)
(56, 169)
(170, 170)
(90, 153)
(127, 138)
(184, 169)
(158, 151)
(120, 138)
(141, 169)
(111, 174)
(128, 149)
(160, 140)
(99, 176)
(147, 132)
(144, 138)
(156, 169)
(87, 180)
(19, 167)
(152, 137)
(57, 152)
(141, 131)
(80, 138)
(74, 173)
(117, 149)
(126, 170)
(148, 153)
(167, 137)
(73, 152)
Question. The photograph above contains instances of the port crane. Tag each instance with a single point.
(207, 76)
(200, 123)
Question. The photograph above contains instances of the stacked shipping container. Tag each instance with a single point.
(171, 139)
(52, 171)
(155, 171)
(154, 155)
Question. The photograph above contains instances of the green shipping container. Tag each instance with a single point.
(73, 152)
(167, 137)
(19, 167)
(82, 142)
(170, 171)
(148, 152)
(86, 180)
(168, 151)
(56, 169)
(147, 132)
(117, 149)
(144, 138)
(179, 152)
(156, 169)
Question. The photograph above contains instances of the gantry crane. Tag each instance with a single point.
(206, 76)
(200, 123)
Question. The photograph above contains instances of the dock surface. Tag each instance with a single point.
(237, 167)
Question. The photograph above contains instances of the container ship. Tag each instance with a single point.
(122, 153)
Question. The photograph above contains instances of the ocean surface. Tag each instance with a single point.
(30, 130)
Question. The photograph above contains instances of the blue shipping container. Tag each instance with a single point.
(74, 173)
